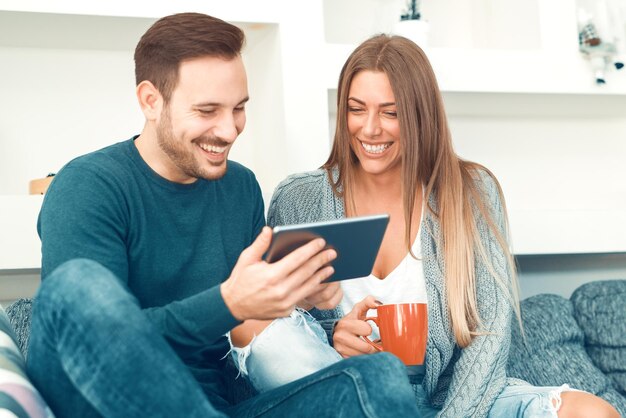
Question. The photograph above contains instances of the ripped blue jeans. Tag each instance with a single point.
(522, 401)
(288, 349)
(293, 347)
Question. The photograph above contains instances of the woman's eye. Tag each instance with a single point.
(354, 109)
(391, 114)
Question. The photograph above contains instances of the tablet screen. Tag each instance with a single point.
(356, 240)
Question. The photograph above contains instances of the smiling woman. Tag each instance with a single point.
(445, 245)
(373, 124)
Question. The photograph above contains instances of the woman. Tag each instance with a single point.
(445, 245)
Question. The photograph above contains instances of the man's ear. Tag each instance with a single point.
(150, 100)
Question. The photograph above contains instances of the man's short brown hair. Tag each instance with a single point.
(176, 38)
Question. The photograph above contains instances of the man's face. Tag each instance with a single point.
(204, 116)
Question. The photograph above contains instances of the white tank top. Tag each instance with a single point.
(405, 284)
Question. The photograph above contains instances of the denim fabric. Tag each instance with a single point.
(362, 386)
(293, 347)
(288, 349)
(523, 401)
(93, 352)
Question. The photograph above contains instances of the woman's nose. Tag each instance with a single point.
(372, 125)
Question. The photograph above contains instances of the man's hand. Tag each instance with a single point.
(259, 290)
(349, 330)
(327, 297)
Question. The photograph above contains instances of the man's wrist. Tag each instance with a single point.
(230, 301)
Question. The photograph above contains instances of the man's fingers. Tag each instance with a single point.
(305, 289)
(300, 256)
(332, 301)
(327, 297)
(309, 268)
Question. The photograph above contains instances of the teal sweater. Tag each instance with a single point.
(171, 244)
(463, 382)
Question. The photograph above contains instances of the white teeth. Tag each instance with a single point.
(375, 149)
(213, 148)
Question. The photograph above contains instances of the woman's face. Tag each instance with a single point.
(373, 123)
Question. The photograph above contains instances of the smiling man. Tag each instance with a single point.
(152, 251)
(195, 127)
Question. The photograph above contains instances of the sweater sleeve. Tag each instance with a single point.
(297, 200)
(479, 373)
(84, 215)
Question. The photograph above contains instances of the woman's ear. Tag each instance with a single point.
(150, 100)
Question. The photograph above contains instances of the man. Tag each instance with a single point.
(152, 252)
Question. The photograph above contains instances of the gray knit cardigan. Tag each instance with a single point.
(462, 382)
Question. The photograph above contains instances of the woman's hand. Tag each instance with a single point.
(349, 330)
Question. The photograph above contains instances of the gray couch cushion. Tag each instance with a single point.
(600, 309)
(554, 352)
(19, 315)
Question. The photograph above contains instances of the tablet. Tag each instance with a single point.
(356, 240)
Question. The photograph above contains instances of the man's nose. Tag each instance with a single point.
(226, 127)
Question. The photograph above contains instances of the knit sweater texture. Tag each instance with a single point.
(462, 382)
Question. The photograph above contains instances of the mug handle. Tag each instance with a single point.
(367, 340)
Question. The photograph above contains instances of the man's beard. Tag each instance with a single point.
(182, 158)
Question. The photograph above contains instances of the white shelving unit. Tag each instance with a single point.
(21, 248)
(67, 83)
(470, 70)
(531, 112)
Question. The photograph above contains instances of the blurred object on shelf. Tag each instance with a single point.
(39, 186)
(601, 35)
(413, 11)
(411, 24)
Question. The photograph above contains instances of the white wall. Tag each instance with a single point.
(528, 112)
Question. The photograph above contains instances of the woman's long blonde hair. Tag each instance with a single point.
(428, 159)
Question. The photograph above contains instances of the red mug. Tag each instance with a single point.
(403, 331)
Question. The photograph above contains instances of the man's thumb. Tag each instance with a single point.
(260, 245)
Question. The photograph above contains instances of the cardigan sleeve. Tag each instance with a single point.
(298, 199)
(479, 373)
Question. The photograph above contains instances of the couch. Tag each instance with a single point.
(580, 341)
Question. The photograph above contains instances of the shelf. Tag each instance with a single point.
(532, 232)
(243, 11)
(469, 70)
(88, 61)
(20, 247)
(19, 29)
(567, 231)
(531, 113)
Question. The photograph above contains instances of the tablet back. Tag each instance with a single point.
(356, 240)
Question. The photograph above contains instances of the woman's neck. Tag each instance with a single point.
(375, 193)
(383, 185)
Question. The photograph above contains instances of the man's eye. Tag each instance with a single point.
(240, 109)
(206, 111)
